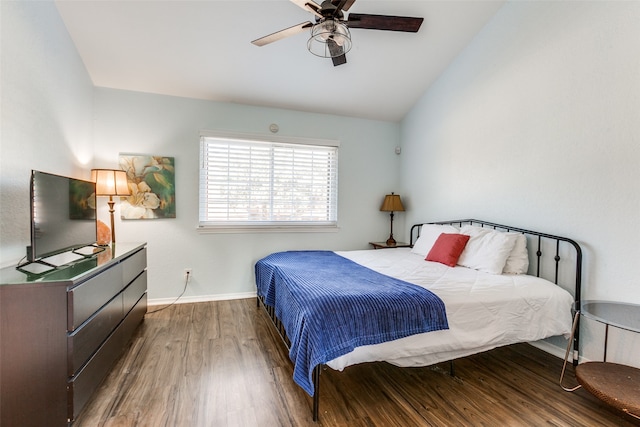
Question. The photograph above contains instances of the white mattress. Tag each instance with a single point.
(484, 310)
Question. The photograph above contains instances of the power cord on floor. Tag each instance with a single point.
(186, 281)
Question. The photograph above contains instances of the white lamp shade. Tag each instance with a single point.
(110, 182)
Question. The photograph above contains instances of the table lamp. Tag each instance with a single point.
(110, 183)
(392, 203)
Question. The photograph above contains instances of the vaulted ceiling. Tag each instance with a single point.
(202, 49)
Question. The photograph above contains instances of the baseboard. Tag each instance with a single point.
(555, 350)
(549, 348)
(201, 298)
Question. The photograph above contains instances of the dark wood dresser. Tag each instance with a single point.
(62, 331)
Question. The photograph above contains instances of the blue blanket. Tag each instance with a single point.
(329, 305)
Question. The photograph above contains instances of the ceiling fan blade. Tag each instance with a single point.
(309, 6)
(334, 48)
(343, 4)
(279, 35)
(337, 53)
(384, 22)
(339, 60)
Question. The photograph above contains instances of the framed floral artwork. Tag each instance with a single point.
(151, 182)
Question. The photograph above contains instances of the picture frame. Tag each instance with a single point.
(151, 181)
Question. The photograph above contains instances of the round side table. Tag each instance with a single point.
(615, 384)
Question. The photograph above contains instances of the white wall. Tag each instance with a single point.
(50, 122)
(536, 124)
(45, 117)
(222, 264)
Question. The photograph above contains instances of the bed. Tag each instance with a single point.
(463, 287)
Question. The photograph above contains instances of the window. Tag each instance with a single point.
(249, 182)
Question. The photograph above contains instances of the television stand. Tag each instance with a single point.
(89, 250)
(44, 265)
(63, 330)
(62, 258)
(36, 268)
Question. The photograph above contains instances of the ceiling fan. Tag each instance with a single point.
(330, 35)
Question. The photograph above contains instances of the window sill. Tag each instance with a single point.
(211, 229)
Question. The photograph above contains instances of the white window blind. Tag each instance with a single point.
(246, 182)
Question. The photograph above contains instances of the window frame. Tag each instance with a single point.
(275, 226)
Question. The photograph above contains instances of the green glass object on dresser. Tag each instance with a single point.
(62, 331)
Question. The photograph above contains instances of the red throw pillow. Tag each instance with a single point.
(447, 248)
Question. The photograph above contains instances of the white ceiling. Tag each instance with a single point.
(201, 49)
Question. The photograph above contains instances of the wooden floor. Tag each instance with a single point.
(221, 364)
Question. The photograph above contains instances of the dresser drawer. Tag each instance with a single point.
(133, 266)
(88, 337)
(82, 386)
(86, 298)
(134, 291)
(133, 319)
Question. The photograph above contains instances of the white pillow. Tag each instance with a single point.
(518, 259)
(429, 233)
(487, 249)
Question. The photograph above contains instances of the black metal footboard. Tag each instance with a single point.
(277, 323)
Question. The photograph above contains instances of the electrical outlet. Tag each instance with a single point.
(187, 274)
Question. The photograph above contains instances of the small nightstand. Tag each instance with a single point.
(383, 245)
(613, 383)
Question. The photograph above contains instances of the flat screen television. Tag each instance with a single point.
(63, 215)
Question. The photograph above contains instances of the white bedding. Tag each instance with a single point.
(484, 310)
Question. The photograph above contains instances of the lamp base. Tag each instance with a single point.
(391, 241)
(111, 211)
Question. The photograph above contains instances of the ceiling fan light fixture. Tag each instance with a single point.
(329, 39)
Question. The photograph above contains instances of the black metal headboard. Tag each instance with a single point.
(541, 246)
